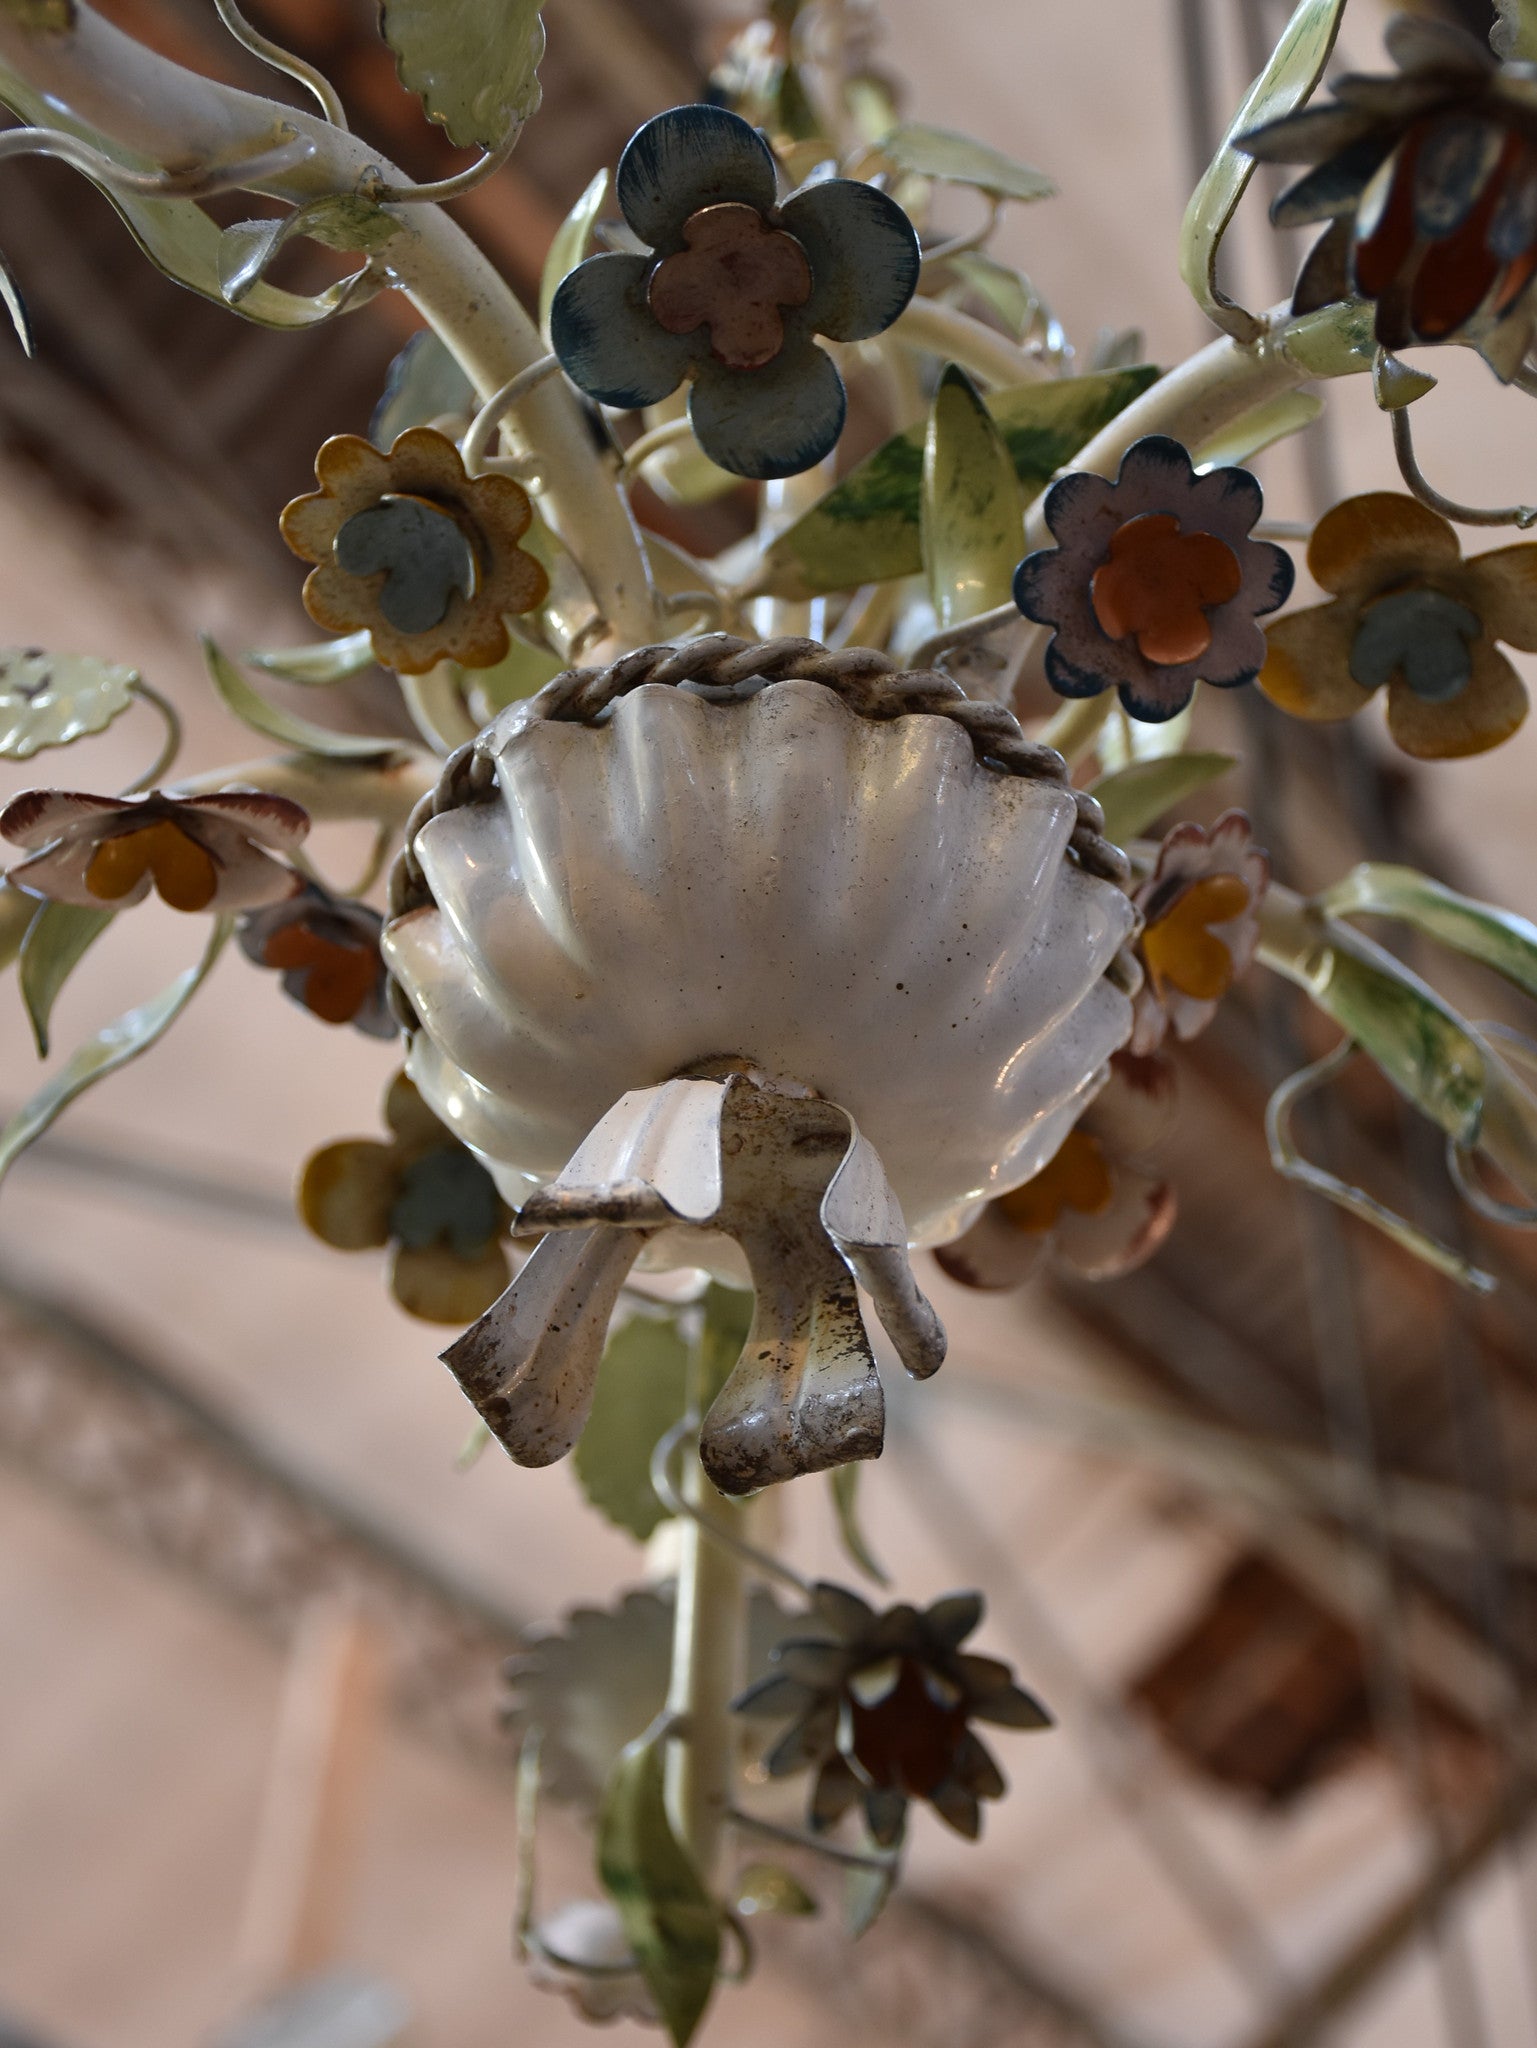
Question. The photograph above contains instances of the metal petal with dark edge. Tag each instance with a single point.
(953, 1617)
(609, 342)
(863, 252)
(1452, 168)
(688, 158)
(1334, 186)
(773, 422)
(1308, 136)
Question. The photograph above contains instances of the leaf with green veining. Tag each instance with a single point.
(971, 516)
(1134, 796)
(319, 664)
(47, 700)
(866, 529)
(957, 159)
(642, 1392)
(57, 940)
(1295, 67)
(572, 242)
(670, 1920)
(112, 1047)
(1482, 931)
(473, 64)
(252, 709)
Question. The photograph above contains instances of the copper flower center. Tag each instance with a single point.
(341, 975)
(1182, 951)
(1157, 583)
(907, 1723)
(733, 276)
(1077, 1178)
(181, 870)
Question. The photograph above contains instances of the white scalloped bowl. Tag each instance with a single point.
(858, 905)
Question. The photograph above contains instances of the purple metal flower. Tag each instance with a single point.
(1154, 584)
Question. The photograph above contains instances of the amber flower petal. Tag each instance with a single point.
(1502, 586)
(1378, 528)
(346, 1193)
(1307, 664)
(437, 1285)
(1487, 712)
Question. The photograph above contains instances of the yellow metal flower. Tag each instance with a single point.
(408, 546)
(1407, 611)
(426, 1195)
(221, 852)
(1201, 910)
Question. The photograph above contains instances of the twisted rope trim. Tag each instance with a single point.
(724, 669)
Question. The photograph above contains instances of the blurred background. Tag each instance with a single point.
(1260, 1520)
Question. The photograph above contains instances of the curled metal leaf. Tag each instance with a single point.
(111, 1048)
(1295, 67)
(571, 244)
(252, 709)
(958, 159)
(1134, 796)
(1482, 931)
(248, 248)
(318, 665)
(57, 940)
(972, 509)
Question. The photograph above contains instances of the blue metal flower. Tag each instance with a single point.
(733, 290)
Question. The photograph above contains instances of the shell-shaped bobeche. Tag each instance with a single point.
(858, 904)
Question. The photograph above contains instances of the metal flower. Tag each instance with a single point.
(199, 852)
(408, 546)
(327, 950)
(1094, 1208)
(1429, 182)
(732, 291)
(1407, 611)
(882, 1708)
(1154, 584)
(1200, 908)
(426, 1195)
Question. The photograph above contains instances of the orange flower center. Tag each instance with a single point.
(1157, 583)
(734, 275)
(341, 976)
(181, 870)
(1181, 949)
(1078, 1177)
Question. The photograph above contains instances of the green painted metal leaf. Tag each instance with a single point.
(424, 383)
(112, 1047)
(47, 700)
(844, 1480)
(866, 529)
(972, 511)
(316, 666)
(1295, 67)
(57, 940)
(866, 1888)
(642, 1392)
(1010, 294)
(571, 243)
(727, 1318)
(18, 913)
(520, 672)
(1262, 428)
(672, 1923)
(252, 709)
(1515, 33)
(473, 64)
(45, 17)
(958, 160)
(343, 221)
(1134, 796)
(1499, 938)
